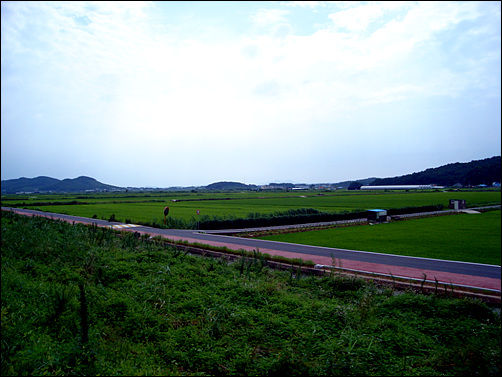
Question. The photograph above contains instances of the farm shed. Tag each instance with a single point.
(458, 204)
(376, 215)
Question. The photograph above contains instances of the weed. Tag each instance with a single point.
(84, 316)
(161, 311)
(423, 281)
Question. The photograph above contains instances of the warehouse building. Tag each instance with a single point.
(401, 187)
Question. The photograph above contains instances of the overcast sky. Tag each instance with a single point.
(167, 94)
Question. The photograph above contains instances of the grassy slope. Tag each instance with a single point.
(468, 238)
(155, 311)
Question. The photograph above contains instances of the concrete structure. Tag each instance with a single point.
(458, 204)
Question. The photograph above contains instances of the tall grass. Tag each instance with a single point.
(81, 300)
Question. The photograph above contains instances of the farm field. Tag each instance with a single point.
(184, 205)
(464, 237)
(79, 300)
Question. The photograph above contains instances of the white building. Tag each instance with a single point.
(401, 187)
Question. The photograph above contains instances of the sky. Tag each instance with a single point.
(163, 94)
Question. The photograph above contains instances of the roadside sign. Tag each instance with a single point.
(198, 212)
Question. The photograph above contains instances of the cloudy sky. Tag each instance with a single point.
(167, 94)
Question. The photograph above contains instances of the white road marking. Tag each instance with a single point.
(120, 226)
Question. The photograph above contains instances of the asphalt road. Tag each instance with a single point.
(474, 269)
(465, 272)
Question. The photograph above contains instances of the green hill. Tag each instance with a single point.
(47, 184)
(223, 186)
(471, 173)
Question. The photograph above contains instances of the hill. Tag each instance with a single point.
(222, 186)
(346, 184)
(471, 173)
(47, 184)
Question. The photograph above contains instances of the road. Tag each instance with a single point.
(448, 272)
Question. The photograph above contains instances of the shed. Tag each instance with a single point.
(376, 215)
(458, 204)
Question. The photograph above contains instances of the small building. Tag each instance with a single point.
(378, 215)
(458, 204)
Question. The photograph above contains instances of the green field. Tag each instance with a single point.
(470, 238)
(463, 237)
(149, 207)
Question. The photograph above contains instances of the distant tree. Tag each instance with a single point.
(355, 185)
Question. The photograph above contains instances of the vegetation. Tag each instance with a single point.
(83, 301)
(223, 186)
(243, 209)
(262, 257)
(299, 216)
(472, 173)
(48, 184)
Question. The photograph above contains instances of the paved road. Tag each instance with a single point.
(450, 272)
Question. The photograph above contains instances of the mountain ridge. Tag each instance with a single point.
(476, 172)
(48, 184)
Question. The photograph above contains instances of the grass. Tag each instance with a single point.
(147, 207)
(80, 300)
(253, 256)
(464, 237)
